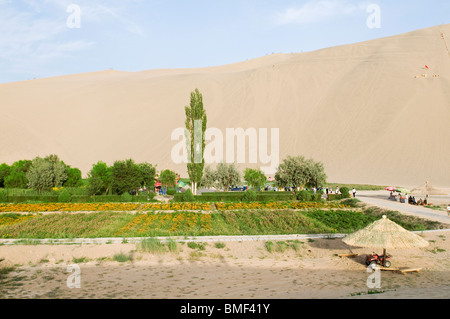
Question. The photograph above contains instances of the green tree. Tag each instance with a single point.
(255, 177)
(168, 178)
(99, 179)
(58, 170)
(195, 138)
(227, 175)
(299, 172)
(315, 171)
(126, 176)
(4, 173)
(73, 177)
(46, 173)
(209, 178)
(148, 174)
(17, 176)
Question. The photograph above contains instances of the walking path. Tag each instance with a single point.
(117, 240)
(381, 200)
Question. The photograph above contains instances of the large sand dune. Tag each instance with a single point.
(364, 110)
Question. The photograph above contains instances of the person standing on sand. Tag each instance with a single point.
(337, 189)
(354, 192)
(448, 210)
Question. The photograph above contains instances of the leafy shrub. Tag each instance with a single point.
(171, 192)
(3, 196)
(352, 202)
(122, 257)
(237, 196)
(126, 197)
(344, 192)
(64, 197)
(188, 196)
(150, 195)
(333, 196)
(36, 198)
(317, 197)
(304, 196)
(249, 196)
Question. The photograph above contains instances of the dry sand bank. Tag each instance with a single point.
(239, 270)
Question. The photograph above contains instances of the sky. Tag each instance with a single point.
(46, 38)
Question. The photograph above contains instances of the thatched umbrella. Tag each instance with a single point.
(427, 189)
(384, 233)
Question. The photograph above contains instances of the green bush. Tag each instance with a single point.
(126, 198)
(171, 192)
(317, 197)
(304, 196)
(344, 192)
(64, 197)
(188, 196)
(334, 196)
(35, 198)
(3, 196)
(249, 196)
(150, 196)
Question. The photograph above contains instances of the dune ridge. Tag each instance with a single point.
(371, 111)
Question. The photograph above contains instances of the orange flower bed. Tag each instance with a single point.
(96, 207)
(278, 205)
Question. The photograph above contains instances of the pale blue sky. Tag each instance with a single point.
(136, 35)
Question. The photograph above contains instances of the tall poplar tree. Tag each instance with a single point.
(195, 138)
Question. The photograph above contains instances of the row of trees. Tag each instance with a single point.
(39, 173)
(293, 172)
(122, 177)
(46, 173)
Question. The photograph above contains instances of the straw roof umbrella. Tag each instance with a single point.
(427, 189)
(384, 233)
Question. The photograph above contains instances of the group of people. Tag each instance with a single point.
(412, 201)
(329, 190)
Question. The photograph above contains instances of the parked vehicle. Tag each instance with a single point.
(379, 259)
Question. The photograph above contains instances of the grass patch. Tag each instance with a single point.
(172, 245)
(269, 246)
(219, 245)
(80, 260)
(195, 255)
(192, 245)
(151, 245)
(4, 271)
(436, 250)
(122, 257)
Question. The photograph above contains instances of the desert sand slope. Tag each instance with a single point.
(370, 111)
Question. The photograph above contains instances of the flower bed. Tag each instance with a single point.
(177, 223)
(279, 205)
(96, 207)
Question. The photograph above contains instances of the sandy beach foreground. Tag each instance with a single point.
(237, 270)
